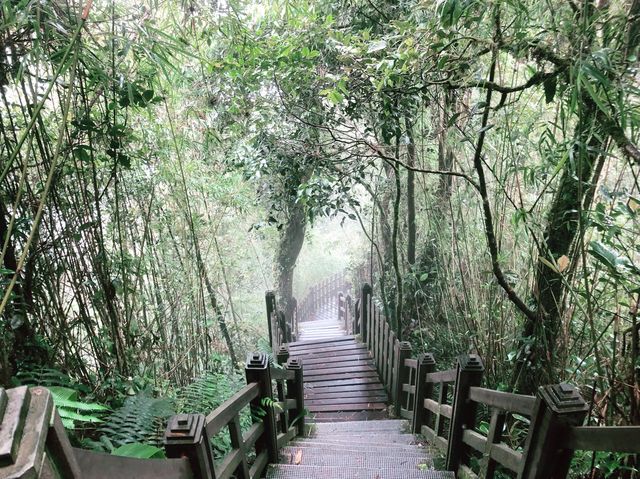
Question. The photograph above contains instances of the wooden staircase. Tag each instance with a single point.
(348, 386)
(340, 380)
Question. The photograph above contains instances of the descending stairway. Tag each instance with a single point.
(356, 450)
(340, 380)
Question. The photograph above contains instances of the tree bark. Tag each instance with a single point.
(411, 195)
(289, 246)
(445, 154)
(536, 364)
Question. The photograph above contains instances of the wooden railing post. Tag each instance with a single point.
(463, 414)
(270, 299)
(426, 365)
(295, 390)
(33, 442)
(186, 436)
(341, 315)
(257, 370)
(283, 354)
(401, 373)
(348, 315)
(557, 408)
(365, 295)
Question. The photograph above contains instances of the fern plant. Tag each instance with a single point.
(74, 410)
(141, 419)
(207, 393)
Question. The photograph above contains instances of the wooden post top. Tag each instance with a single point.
(25, 415)
(563, 398)
(470, 363)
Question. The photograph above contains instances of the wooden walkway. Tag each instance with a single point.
(340, 379)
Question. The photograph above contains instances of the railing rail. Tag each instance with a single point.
(442, 406)
(33, 442)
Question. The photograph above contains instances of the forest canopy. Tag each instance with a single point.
(163, 163)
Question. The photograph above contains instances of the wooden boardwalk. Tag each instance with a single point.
(340, 379)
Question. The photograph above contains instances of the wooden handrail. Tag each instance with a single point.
(518, 403)
(223, 414)
(32, 438)
(555, 413)
(604, 438)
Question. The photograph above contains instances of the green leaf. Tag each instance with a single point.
(63, 393)
(80, 406)
(67, 414)
(377, 46)
(136, 449)
(335, 97)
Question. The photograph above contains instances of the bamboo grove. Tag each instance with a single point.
(164, 162)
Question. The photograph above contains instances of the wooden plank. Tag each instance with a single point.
(411, 363)
(366, 415)
(344, 376)
(436, 440)
(347, 382)
(258, 465)
(475, 440)
(604, 438)
(317, 389)
(347, 407)
(323, 344)
(252, 435)
(278, 374)
(506, 456)
(340, 364)
(518, 403)
(98, 465)
(228, 465)
(346, 400)
(408, 388)
(437, 408)
(332, 354)
(224, 413)
(368, 395)
(356, 368)
(310, 362)
(447, 376)
(286, 404)
(328, 348)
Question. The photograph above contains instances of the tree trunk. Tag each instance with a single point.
(411, 196)
(217, 311)
(445, 154)
(536, 365)
(17, 338)
(289, 246)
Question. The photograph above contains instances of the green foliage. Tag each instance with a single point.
(69, 397)
(207, 392)
(72, 410)
(141, 419)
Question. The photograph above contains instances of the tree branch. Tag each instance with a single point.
(488, 218)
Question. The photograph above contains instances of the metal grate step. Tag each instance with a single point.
(362, 440)
(374, 448)
(284, 471)
(342, 457)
